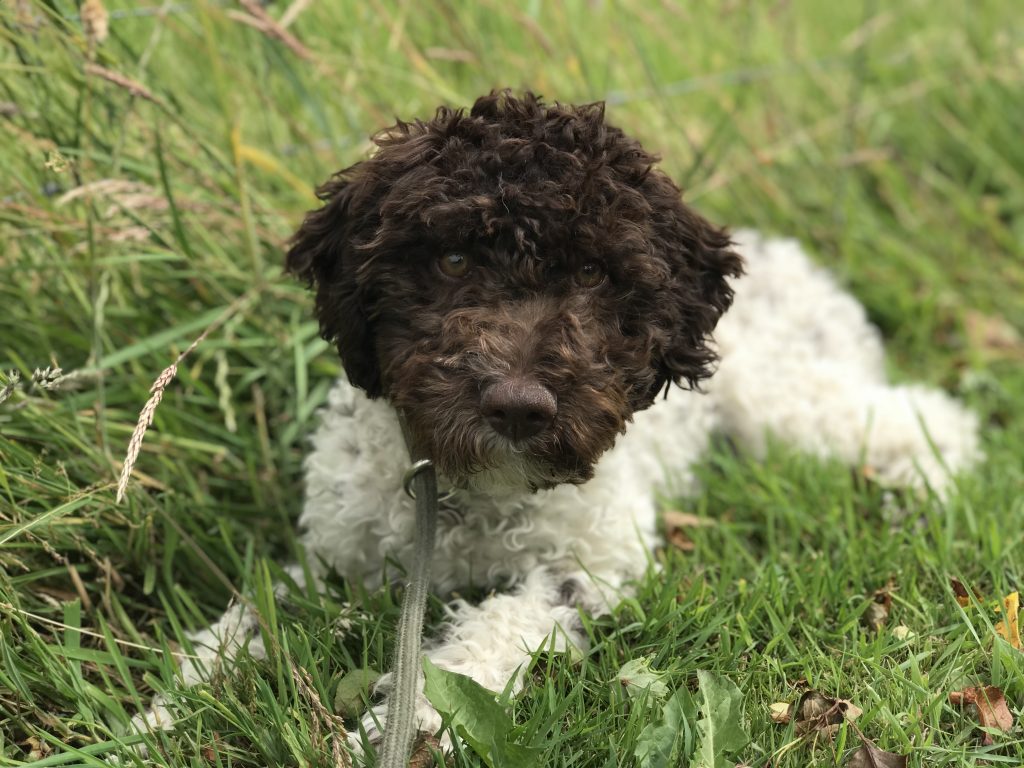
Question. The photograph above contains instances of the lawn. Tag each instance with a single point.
(156, 157)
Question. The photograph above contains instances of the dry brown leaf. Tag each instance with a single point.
(679, 540)
(814, 713)
(870, 756)
(963, 597)
(676, 522)
(37, 749)
(423, 752)
(993, 336)
(1009, 628)
(902, 632)
(211, 751)
(990, 704)
(676, 519)
(877, 612)
(779, 712)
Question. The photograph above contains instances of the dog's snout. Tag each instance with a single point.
(518, 409)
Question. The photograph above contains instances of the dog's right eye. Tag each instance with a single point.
(455, 264)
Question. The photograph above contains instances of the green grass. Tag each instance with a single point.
(885, 136)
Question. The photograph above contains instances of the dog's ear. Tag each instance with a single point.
(701, 261)
(324, 253)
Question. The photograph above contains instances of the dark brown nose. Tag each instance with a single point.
(518, 408)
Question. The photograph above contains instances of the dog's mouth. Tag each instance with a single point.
(530, 463)
(518, 473)
(471, 454)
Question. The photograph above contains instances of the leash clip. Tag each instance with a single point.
(422, 465)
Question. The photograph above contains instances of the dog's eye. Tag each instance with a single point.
(590, 275)
(455, 264)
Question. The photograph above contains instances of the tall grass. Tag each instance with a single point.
(150, 177)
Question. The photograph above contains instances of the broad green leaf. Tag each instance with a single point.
(658, 744)
(476, 716)
(353, 691)
(508, 754)
(721, 727)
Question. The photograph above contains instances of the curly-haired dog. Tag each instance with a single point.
(525, 284)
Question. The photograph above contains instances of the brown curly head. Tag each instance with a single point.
(520, 280)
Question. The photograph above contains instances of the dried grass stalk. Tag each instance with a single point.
(292, 12)
(157, 394)
(320, 713)
(133, 87)
(116, 189)
(146, 417)
(95, 22)
(258, 18)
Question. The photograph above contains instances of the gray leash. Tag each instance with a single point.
(400, 730)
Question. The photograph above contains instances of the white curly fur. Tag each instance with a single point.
(799, 362)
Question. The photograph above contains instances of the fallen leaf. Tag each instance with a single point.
(37, 749)
(963, 597)
(851, 710)
(903, 633)
(815, 713)
(960, 591)
(211, 751)
(1009, 629)
(870, 756)
(993, 336)
(877, 612)
(990, 704)
(677, 522)
(675, 518)
(638, 676)
(423, 751)
(779, 712)
(679, 540)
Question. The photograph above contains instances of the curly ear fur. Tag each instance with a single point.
(324, 254)
(701, 262)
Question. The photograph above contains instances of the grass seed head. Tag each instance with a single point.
(95, 22)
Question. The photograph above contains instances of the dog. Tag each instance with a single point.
(528, 288)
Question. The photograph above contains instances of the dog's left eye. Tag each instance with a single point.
(590, 275)
(455, 264)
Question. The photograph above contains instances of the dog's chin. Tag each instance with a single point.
(507, 466)
(513, 476)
